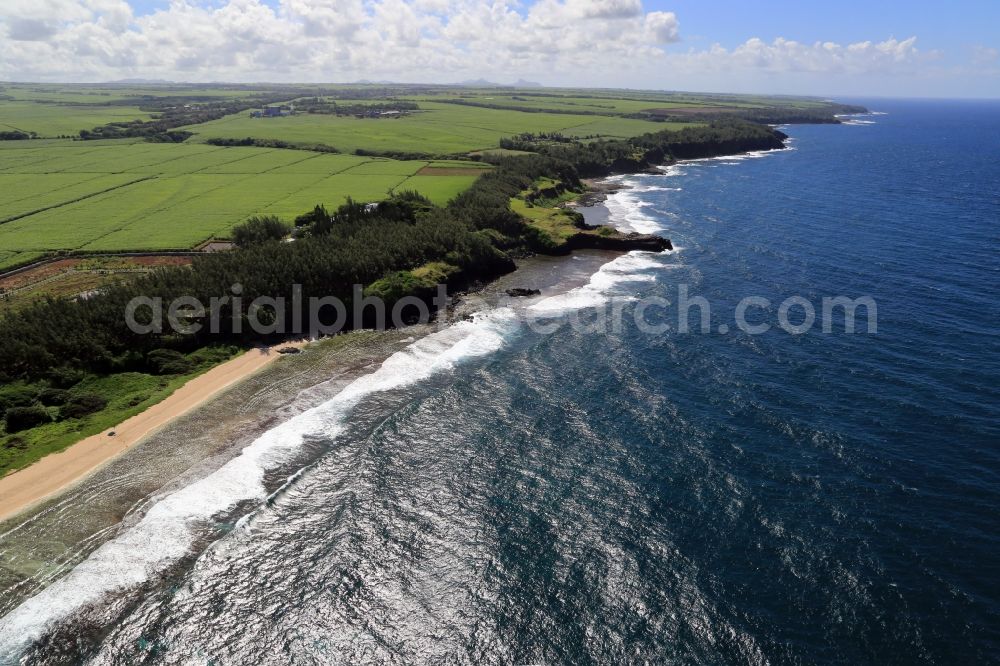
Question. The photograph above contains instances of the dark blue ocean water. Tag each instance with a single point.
(628, 497)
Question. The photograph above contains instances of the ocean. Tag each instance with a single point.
(617, 490)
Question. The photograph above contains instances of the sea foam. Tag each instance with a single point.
(604, 285)
(626, 211)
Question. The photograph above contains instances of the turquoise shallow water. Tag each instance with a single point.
(498, 495)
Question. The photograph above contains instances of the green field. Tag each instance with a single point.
(129, 194)
(104, 94)
(52, 120)
(578, 105)
(437, 128)
(9, 258)
(147, 196)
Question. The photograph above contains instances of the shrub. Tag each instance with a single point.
(22, 418)
(81, 405)
(168, 362)
(179, 367)
(260, 229)
(53, 396)
(65, 377)
(318, 216)
(17, 396)
(212, 355)
(137, 400)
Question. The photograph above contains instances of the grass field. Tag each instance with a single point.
(524, 100)
(10, 258)
(437, 128)
(127, 194)
(103, 94)
(53, 120)
(147, 196)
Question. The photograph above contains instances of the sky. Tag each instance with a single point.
(893, 48)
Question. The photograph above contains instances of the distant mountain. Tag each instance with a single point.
(132, 82)
(479, 83)
(485, 83)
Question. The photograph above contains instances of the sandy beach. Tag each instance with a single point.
(58, 471)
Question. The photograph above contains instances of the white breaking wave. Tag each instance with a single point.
(676, 169)
(168, 530)
(626, 214)
(629, 268)
(626, 206)
(857, 119)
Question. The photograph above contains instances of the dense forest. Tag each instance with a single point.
(471, 239)
(599, 158)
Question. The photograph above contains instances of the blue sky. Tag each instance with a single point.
(954, 27)
(839, 47)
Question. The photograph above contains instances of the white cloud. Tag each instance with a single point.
(985, 55)
(662, 27)
(603, 9)
(575, 42)
(784, 55)
(29, 29)
(325, 39)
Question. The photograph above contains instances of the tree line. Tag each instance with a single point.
(320, 105)
(173, 112)
(602, 157)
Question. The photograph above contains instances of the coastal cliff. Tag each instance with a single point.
(620, 242)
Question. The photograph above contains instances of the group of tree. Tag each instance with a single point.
(351, 246)
(16, 135)
(272, 143)
(601, 157)
(328, 106)
(260, 229)
(24, 406)
(171, 112)
(769, 115)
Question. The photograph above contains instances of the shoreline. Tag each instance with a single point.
(205, 463)
(59, 471)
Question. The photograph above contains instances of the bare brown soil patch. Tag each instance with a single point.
(97, 265)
